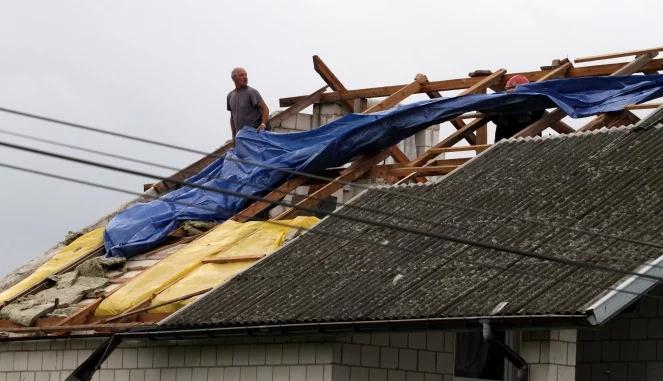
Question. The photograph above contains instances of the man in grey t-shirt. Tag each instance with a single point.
(247, 109)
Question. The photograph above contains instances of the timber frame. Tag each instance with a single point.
(469, 128)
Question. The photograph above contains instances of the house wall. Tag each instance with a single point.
(627, 348)
(399, 356)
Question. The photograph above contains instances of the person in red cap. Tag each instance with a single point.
(507, 125)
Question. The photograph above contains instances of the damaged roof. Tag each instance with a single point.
(342, 271)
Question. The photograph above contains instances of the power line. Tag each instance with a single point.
(317, 230)
(131, 159)
(436, 235)
(327, 179)
(158, 165)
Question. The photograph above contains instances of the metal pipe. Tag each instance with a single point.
(507, 352)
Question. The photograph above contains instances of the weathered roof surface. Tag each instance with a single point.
(611, 181)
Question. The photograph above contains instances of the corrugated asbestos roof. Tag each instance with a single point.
(611, 181)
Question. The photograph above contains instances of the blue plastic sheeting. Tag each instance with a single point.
(143, 226)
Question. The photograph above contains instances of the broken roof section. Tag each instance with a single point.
(526, 194)
(304, 191)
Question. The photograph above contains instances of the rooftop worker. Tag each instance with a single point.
(508, 125)
(247, 109)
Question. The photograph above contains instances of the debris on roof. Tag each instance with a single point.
(405, 275)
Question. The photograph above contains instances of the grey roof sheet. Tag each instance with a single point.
(610, 181)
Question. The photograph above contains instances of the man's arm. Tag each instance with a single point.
(232, 128)
(264, 114)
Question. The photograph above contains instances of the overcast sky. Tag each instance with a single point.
(160, 69)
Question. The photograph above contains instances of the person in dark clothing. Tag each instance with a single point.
(507, 125)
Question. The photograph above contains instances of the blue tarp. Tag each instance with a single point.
(143, 226)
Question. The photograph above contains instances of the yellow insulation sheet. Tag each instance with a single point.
(184, 272)
(65, 256)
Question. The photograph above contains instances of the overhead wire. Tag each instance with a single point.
(319, 231)
(327, 179)
(158, 165)
(437, 235)
(163, 166)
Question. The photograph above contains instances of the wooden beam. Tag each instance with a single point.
(82, 327)
(275, 195)
(557, 72)
(238, 258)
(297, 107)
(399, 95)
(617, 55)
(440, 150)
(450, 140)
(356, 170)
(485, 83)
(464, 83)
(557, 114)
(635, 65)
(644, 106)
(80, 316)
(608, 119)
(423, 171)
(330, 78)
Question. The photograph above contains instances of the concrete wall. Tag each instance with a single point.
(628, 348)
(398, 356)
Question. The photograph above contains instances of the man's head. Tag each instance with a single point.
(514, 82)
(240, 77)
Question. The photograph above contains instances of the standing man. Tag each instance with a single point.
(247, 109)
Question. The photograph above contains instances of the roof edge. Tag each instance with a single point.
(450, 323)
(613, 302)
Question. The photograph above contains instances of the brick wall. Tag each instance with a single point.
(551, 354)
(398, 356)
(627, 348)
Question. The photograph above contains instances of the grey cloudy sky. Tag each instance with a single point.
(160, 69)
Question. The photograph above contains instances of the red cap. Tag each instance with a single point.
(516, 80)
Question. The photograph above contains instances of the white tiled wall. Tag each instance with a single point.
(397, 356)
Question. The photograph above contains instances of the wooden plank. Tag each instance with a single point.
(464, 83)
(644, 106)
(238, 258)
(330, 78)
(546, 120)
(424, 171)
(399, 95)
(485, 83)
(557, 72)
(617, 55)
(275, 195)
(635, 65)
(78, 327)
(481, 136)
(356, 170)
(297, 107)
(557, 114)
(450, 140)
(398, 155)
(612, 119)
(607, 119)
(81, 315)
(438, 151)
(394, 170)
